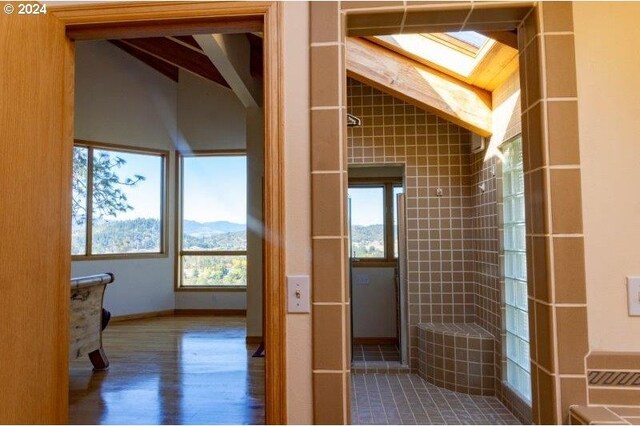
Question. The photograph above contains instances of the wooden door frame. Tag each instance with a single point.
(146, 19)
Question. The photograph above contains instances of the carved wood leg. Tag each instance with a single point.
(99, 359)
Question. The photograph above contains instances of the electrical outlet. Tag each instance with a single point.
(633, 295)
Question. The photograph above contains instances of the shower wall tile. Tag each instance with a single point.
(436, 156)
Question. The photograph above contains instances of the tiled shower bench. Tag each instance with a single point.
(457, 356)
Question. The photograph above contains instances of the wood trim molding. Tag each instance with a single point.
(275, 326)
(153, 19)
(143, 315)
(212, 312)
(254, 340)
(183, 312)
(374, 263)
(149, 19)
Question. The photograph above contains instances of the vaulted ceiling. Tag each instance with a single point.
(432, 78)
(168, 55)
(437, 72)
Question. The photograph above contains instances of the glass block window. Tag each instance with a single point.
(518, 374)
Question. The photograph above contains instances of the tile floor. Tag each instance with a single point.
(409, 399)
(374, 353)
(377, 359)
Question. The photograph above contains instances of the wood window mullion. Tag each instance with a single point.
(89, 227)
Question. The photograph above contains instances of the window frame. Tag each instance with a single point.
(456, 43)
(179, 253)
(164, 200)
(387, 184)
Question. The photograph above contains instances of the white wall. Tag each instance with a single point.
(297, 157)
(120, 100)
(373, 302)
(608, 67)
(209, 116)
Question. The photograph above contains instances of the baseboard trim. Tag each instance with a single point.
(375, 340)
(254, 340)
(212, 312)
(170, 312)
(142, 315)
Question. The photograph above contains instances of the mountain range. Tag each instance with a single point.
(201, 229)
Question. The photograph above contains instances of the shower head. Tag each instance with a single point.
(353, 121)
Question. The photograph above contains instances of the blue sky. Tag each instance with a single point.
(145, 196)
(214, 187)
(367, 206)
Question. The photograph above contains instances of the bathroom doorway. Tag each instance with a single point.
(378, 272)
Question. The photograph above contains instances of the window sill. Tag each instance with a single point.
(374, 263)
(128, 256)
(217, 288)
(515, 393)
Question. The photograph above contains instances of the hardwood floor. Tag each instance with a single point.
(171, 370)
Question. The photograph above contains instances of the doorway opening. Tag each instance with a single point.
(452, 182)
(168, 199)
(377, 262)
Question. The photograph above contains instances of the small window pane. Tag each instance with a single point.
(127, 202)
(79, 201)
(367, 222)
(214, 194)
(207, 271)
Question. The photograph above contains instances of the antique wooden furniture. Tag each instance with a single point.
(88, 318)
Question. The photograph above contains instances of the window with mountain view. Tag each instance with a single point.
(373, 217)
(117, 201)
(367, 222)
(213, 241)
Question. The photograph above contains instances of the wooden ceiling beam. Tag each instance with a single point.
(256, 63)
(256, 52)
(159, 65)
(188, 41)
(178, 55)
(216, 46)
(417, 84)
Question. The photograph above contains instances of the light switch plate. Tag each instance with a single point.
(298, 294)
(633, 295)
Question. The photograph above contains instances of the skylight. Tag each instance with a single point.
(472, 38)
(457, 53)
